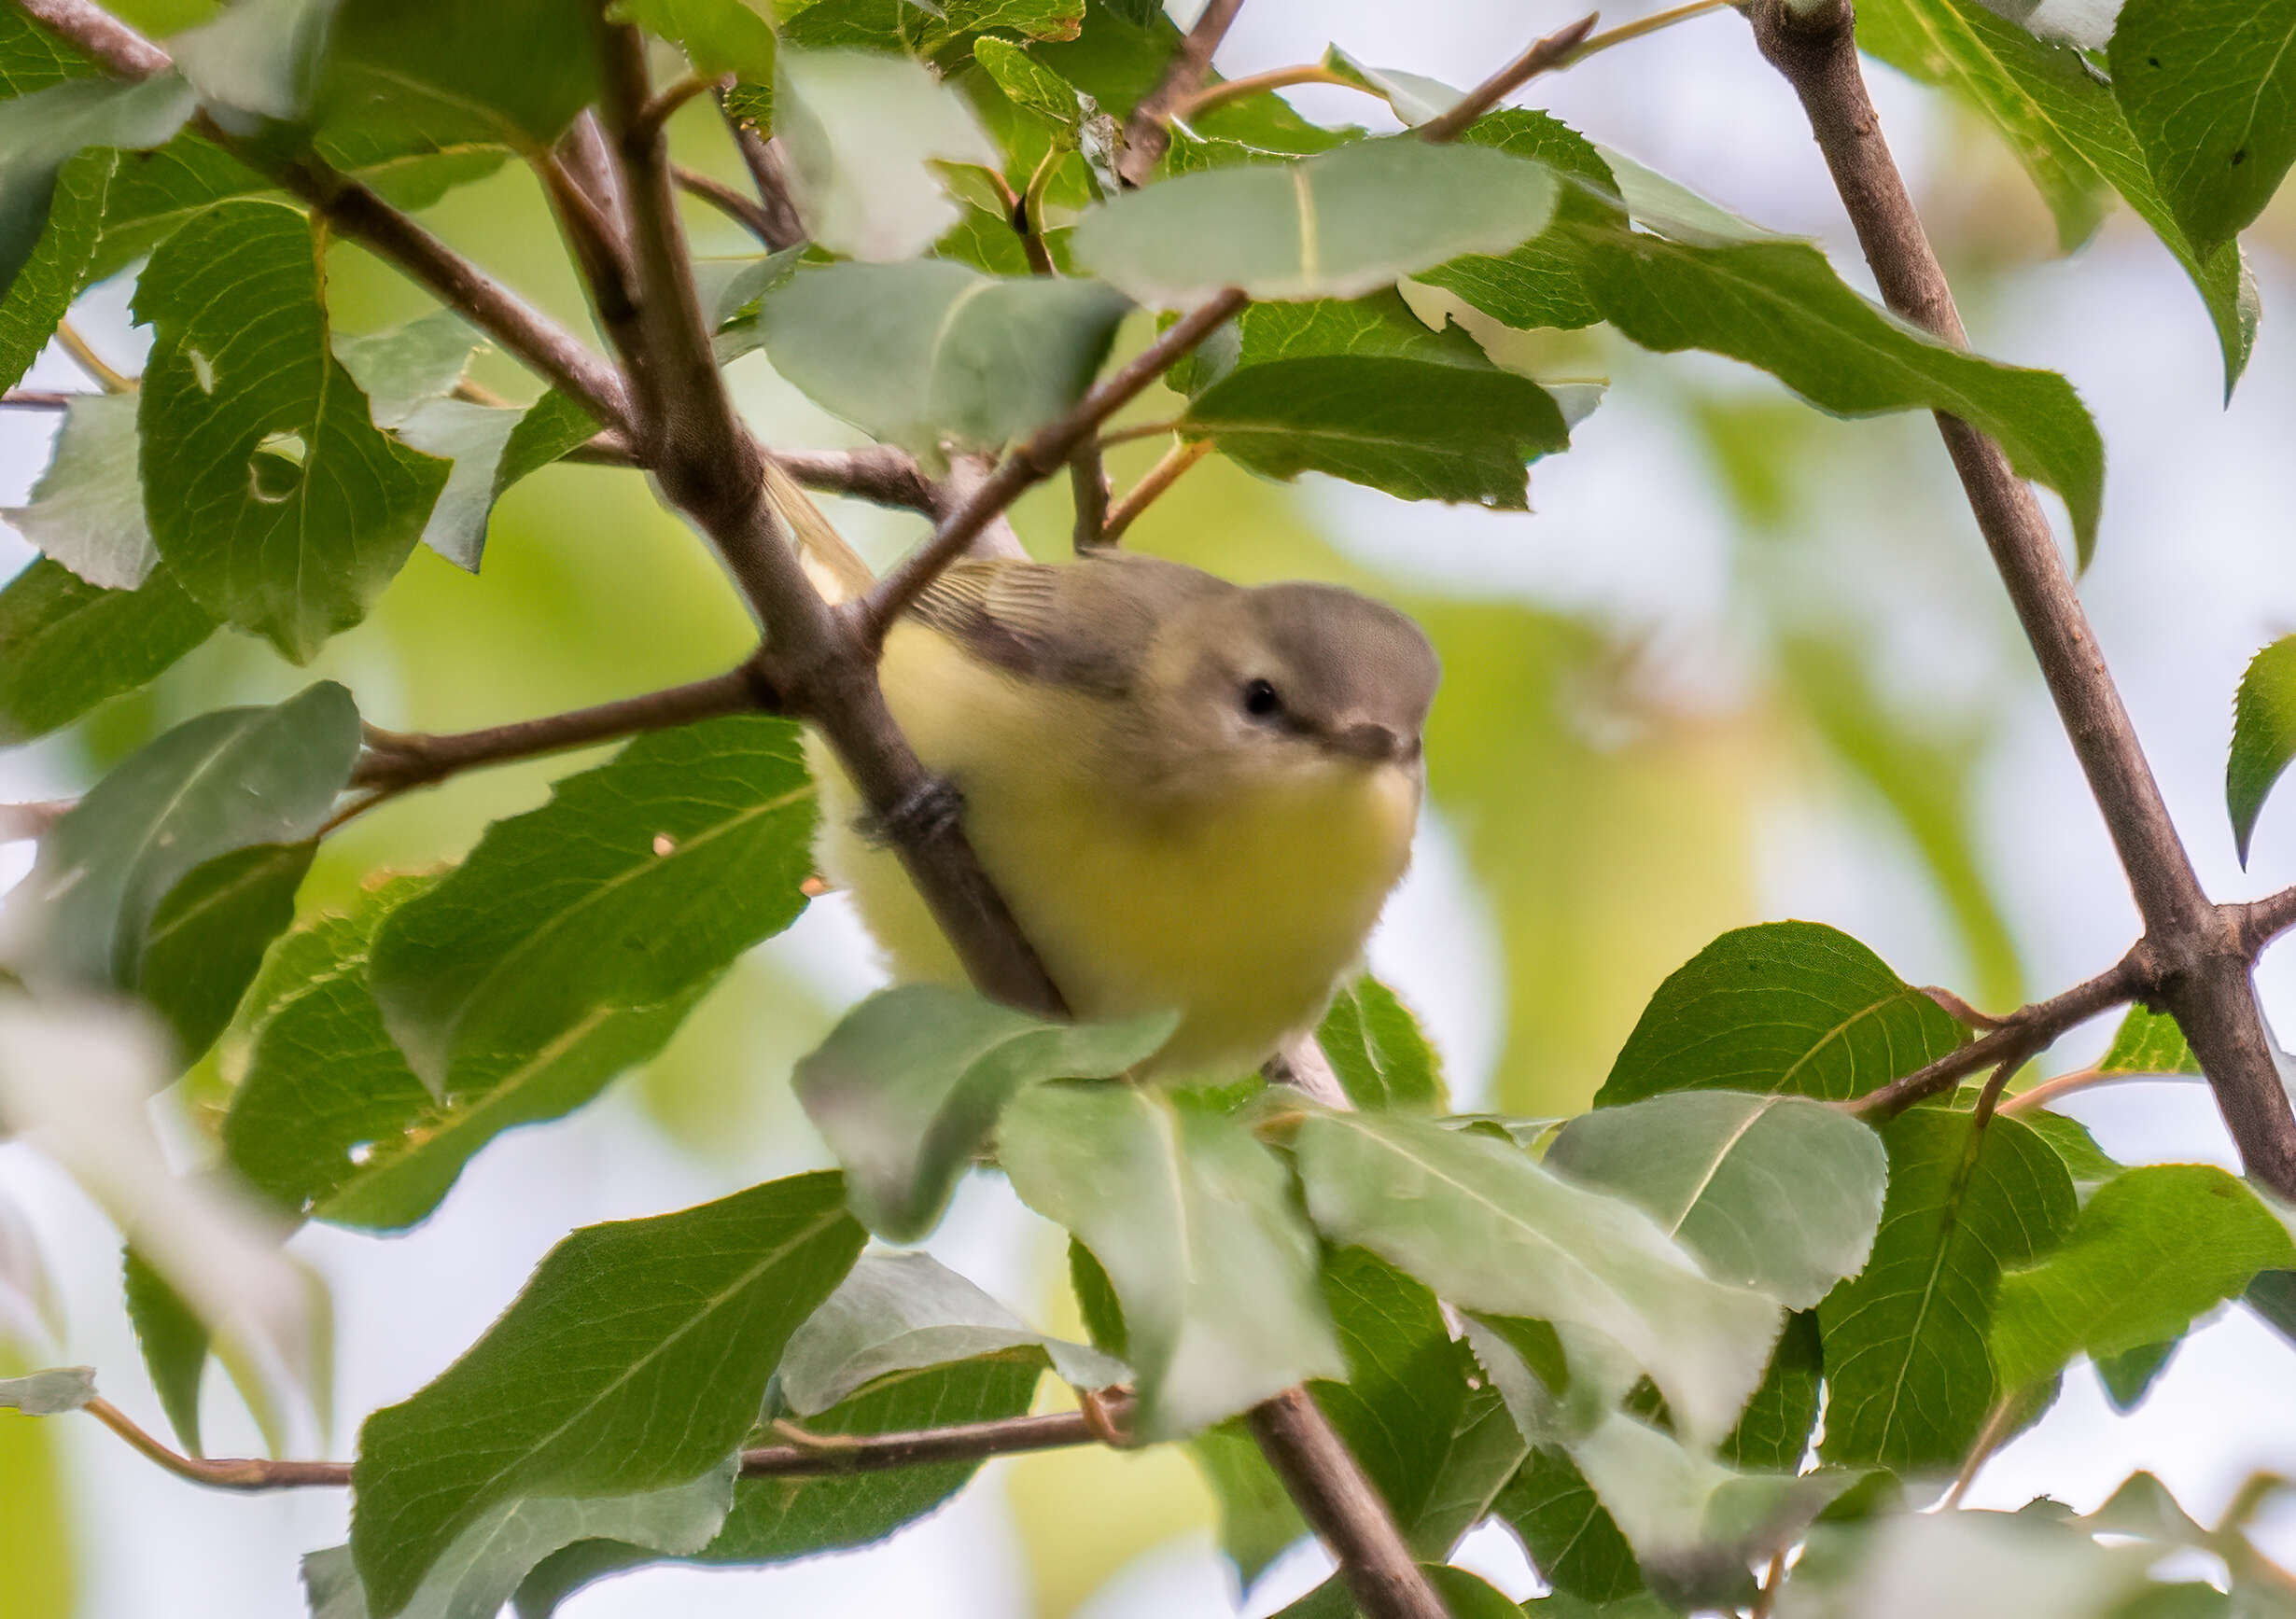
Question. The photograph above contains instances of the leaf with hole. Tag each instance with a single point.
(1192, 1220)
(1770, 1192)
(909, 1085)
(1340, 224)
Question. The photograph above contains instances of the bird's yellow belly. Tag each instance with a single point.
(1243, 917)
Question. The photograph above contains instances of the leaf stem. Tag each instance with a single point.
(38, 399)
(1640, 26)
(1229, 90)
(762, 159)
(1989, 1439)
(98, 369)
(1028, 212)
(1155, 482)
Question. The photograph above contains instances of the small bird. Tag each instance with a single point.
(1193, 796)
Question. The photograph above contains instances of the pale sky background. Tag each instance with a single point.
(2195, 571)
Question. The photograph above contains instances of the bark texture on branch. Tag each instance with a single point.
(2199, 949)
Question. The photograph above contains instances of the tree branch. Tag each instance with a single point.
(358, 213)
(1148, 133)
(2201, 948)
(1088, 485)
(764, 162)
(41, 399)
(1343, 1507)
(743, 211)
(1551, 52)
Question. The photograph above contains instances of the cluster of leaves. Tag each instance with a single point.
(1652, 1301)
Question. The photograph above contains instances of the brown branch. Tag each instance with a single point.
(20, 821)
(746, 212)
(830, 1457)
(1551, 52)
(2203, 979)
(1229, 90)
(1153, 483)
(1342, 1506)
(1088, 485)
(762, 159)
(877, 473)
(99, 371)
(358, 213)
(1038, 459)
(1148, 133)
(2263, 920)
(664, 106)
(40, 399)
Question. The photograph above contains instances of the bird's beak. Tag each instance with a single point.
(1373, 743)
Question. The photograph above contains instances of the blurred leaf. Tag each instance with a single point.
(719, 36)
(2065, 128)
(209, 934)
(1338, 224)
(859, 132)
(2210, 94)
(910, 1083)
(1192, 1220)
(31, 1308)
(639, 881)
(1909, 1379)
(928, 353)
(58, 265)
(1773, 1434)
(1920, 1565)
(226, 781)
(2154, 1247)
(48, 1393)
(1796, 1007)
(66, 645)
(1413, 97)
(1363, 391)
(1464, 1596)
(2129, 1375)
(633, 1360)
(1779, 305)
(1378, 1053)
(174, 1343)
(259, 57)
(1774, 1193)
(2263, 737)
(406, 367)
(2148, 1042)
(87, 509)
(1488, 1229)
(1570, 1538)
(1258, 1523)
(37, 1578)
(902, 1312)
(778, 1519)
(489, 1560)
(276, 502)
(1542, 283)
(516, 68)
(41, 130)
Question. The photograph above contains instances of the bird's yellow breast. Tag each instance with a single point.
(1241, 909)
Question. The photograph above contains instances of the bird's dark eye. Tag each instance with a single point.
(1260, 699)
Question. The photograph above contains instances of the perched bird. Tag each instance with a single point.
(1193, 796)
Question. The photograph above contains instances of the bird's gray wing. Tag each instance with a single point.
(1085, 625)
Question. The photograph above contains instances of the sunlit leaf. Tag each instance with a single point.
(1338, 224)
(720, 36)
(2210, 94)
(2263, 737)
(633, 1361)
(2148, 1042)
(1796, 1007)
(174, 1343)
(1193, 1222)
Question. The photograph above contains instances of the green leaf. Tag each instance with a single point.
(634, 1359)
(404, 368)
(223, 781)
(40, 131)
(719, 36)
(910, 1083)
(1488, 1229)
(1258, 1521)
(2076, 1149)
(1337, 225)
(1569, 1537)
(1779, 305)
(2263, 737)
(489, 1560)
(1542, 283)
(174, 1342)
(637, 881)
(2148, 1042)
(1796, 1007)
(66, 645)
(1413, 97)
(1463, 1595)
(1773, 1434)
(1406, 1390)
(902, 1312)
(1363, 391)
(2067, 129)
(776, 1519)
(492, 447)
(1775, 1193)
(156, 193)
(1486, 1449)
(2153, 1248)
(59, 264)
(859, 132)
(1033, 87)
(1917, 1565)
(2129, 1375)
(49, 1393)
(1909, 1379)
(517, 71)
(2210, 94)
(1378, 1053)
(209, 934)
(929, 355)
(87, 511)
(276, 503)
(1193, 1222)
(32, 57)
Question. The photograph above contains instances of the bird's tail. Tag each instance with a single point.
(834, 567)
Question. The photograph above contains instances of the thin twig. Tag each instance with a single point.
(659, 111)
(1229, 90)
(1596, 43)
(1148, 133)
(2263, 920)
(1155, 482)
(2201, 949)
(1549, 53)
(849, 1454)
(2048, 1091)
(1028, 211)
(1959, 1009)
(40, 399)
(1343, 1506)
(1138, 431)
(762, 159)
(1988, 1440)
(1088, 483)
(1989, 1098)
(746, 212)
(877, 473)
(1772, 1578)
(99, 370)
